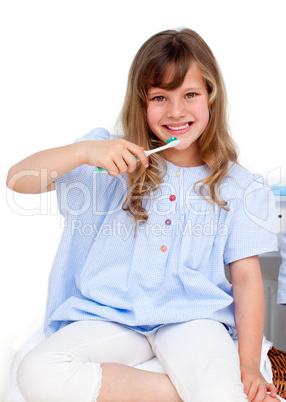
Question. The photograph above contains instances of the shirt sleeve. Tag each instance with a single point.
(74, 189)
(253, 229)
(281, 293)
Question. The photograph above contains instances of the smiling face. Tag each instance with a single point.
(182, 113)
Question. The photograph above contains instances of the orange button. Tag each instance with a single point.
(163, 248)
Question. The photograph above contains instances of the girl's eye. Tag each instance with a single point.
(159, 98)
(191, 95)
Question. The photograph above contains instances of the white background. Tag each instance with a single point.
(64, 68)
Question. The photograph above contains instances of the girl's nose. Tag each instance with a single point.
(176, 109)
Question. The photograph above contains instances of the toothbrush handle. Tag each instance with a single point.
(100, 169)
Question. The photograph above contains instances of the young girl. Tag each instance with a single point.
(140, 268)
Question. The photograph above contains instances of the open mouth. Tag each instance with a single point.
(179, 127)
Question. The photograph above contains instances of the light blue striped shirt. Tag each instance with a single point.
(173, 269)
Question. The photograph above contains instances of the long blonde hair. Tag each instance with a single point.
(174, 49)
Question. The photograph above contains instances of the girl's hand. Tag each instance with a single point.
(117, 156)
(255, 386)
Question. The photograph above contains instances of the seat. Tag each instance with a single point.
(278, 363)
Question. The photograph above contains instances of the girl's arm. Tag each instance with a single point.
(37, 173)
(248, 296)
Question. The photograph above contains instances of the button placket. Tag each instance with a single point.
(168, 222)
(172, 198)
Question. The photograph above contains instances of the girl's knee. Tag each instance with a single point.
(29, 377)
(58, 377)
(212, 384)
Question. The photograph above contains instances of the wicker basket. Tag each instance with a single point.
(278, 362)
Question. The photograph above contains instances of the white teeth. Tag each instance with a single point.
(179, 127)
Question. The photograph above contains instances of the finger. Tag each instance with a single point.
(120, 164)
(261, 393)
(272, 389)
(138, 151)
(112, 174)
(130, 161)
(112, 169)
(251, 393)
(110, 166)
(123, 163)
(246, 386)
(143, 158)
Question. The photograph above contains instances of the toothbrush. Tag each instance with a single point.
(171, 142)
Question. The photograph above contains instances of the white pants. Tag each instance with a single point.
(199, 356)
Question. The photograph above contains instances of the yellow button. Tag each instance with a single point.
(163, 248)
(177, 173)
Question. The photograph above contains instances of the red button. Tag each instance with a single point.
(163, 248)
(172, 197)
(168, 221)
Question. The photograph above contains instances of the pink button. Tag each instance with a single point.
(168, 221)
(172, 197)
(163, 248)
